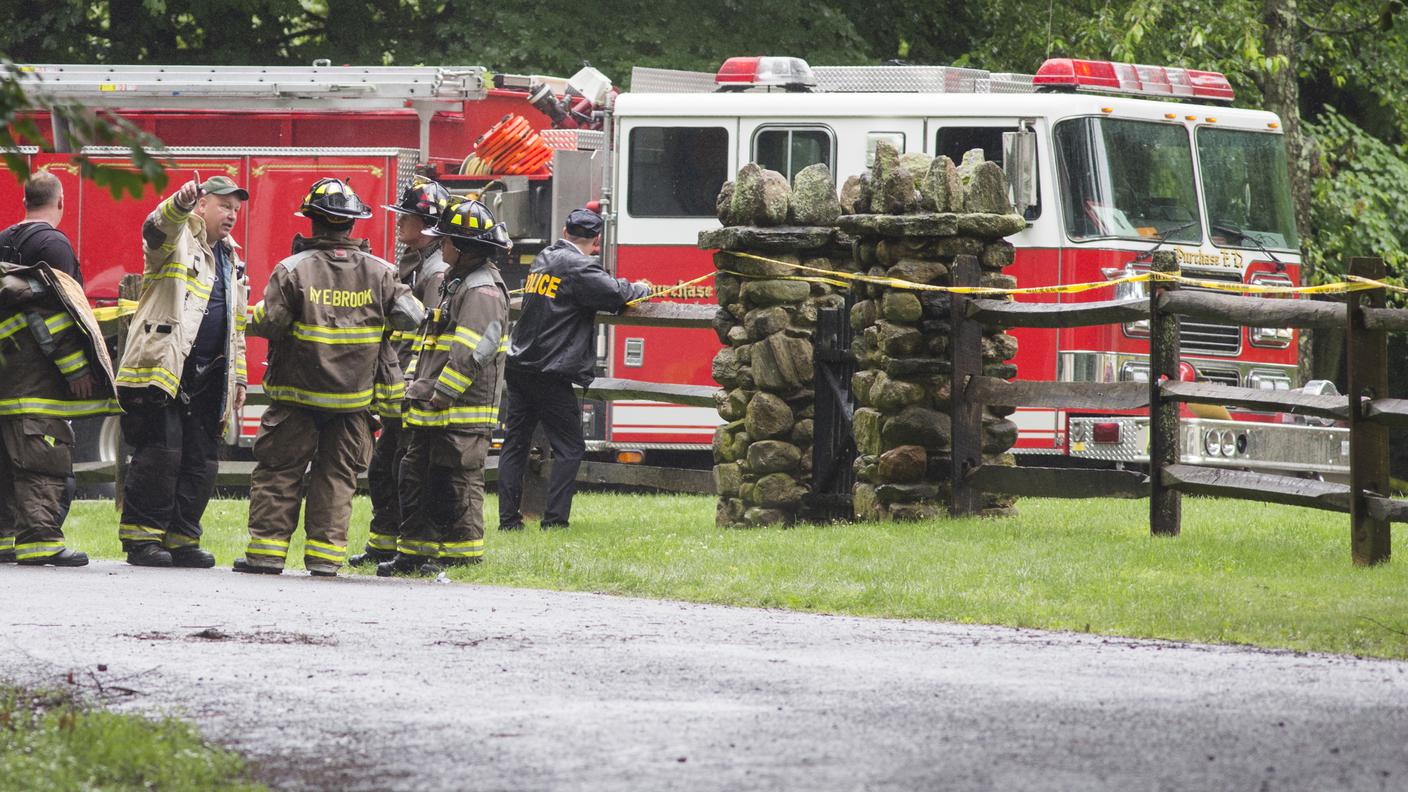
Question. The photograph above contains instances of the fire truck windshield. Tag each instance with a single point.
(1245, 183)
(1127, 179)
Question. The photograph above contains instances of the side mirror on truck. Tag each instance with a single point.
(1019, 162)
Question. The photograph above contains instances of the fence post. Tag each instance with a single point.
(1165, 504)
(965, 416)
(1366, 356)
(129, 288)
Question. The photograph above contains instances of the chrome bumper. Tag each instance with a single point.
(1293, 448)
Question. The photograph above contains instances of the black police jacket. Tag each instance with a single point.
(554, 334)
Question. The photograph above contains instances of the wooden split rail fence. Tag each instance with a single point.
(1368, 412)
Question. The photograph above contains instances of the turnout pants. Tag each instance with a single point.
(36, 461)
(383, 484)
(332, 448)
(175, 457)
(442, 495)
(549, 399)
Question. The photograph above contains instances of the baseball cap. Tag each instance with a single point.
(584, 223)
(223, 185)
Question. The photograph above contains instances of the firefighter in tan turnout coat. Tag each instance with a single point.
(422, 268)
(182, 377)
(325, 311)
(452, 401)
(53, 372)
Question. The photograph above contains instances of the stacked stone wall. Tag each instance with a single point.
(766, 318)
(911, 217)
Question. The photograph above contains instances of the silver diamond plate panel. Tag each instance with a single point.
(574, 139)
(644, 80)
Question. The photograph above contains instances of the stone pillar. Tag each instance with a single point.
(767, 314)
(912, 216)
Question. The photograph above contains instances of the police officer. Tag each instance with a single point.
(551, 349)
(53, 372)
(452, 401)
(325, 311)
(182, 376)
(421, 268)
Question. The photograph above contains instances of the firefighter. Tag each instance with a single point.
(452, 401)
(54, 372)
(182, 377)
(422, 269)
(325, 311)
(553, 347)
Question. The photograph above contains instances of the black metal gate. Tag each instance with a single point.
(833, 445)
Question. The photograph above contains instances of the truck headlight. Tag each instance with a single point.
(1273, 337)
(1212, 442)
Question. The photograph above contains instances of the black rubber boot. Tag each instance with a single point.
(63, 558)
(402, 564)
(192, 558)
(371, 556)
(242, 565)
(148, 554)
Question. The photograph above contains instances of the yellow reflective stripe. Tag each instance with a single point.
(377, 541)
(466, 338)
(27, 550)
(390, 391)
(172, 212)
(267, 547)
(472, 548)
(241, 323)
(307, 398)
(424, 342)
(323, 550)
(177, 541)
(7, 544)
(241, 371)
(71, 363)
(130, 532)
(148, 376)
(11, 326)
(453, 416)
(320, 334)
(454, 380)
(257, 313)
(58, 408)
(179, 271)
(58, 323)
(417, 548)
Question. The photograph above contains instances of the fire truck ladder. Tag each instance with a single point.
(425, 89)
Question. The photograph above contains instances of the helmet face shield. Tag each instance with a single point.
(334, 200)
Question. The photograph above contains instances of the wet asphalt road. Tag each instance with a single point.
(366, 684)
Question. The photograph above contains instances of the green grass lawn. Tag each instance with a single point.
(1240, 573)
(49, 742)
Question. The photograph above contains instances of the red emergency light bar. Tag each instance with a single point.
(1132, 78)
(746, 72)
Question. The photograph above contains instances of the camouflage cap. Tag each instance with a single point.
(223, 185)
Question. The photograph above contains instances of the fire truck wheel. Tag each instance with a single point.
(96, 440)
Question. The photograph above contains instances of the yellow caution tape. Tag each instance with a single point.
(107, 313)
(1354, 284)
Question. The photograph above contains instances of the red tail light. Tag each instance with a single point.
(1105, 432)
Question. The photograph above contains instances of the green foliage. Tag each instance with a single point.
(51, 743)
(1359, 207)
(1241, 572)
(18, 128)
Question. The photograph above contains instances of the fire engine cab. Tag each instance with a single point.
(1108, 162)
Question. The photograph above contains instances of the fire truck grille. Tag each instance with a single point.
(1210, 338)
(1219, 376)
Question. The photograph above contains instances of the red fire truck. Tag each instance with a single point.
(1107, 161)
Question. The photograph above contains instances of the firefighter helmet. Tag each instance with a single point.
(422, 198)
(333, 200)
(470, 223)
